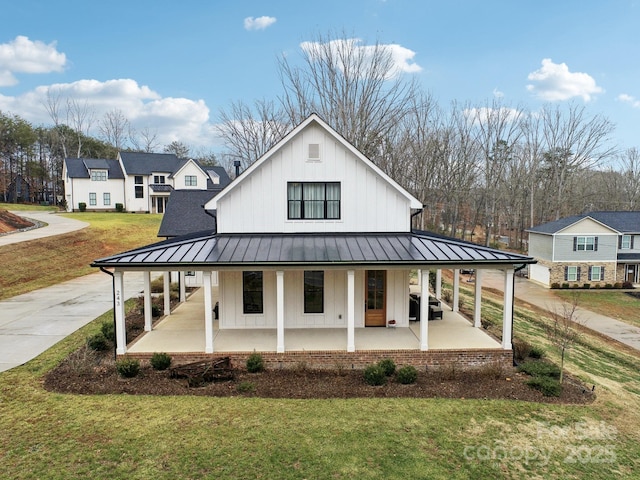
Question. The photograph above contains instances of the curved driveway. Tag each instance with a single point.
(56, 225)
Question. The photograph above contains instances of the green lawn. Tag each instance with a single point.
(23, 207)
(612, 303)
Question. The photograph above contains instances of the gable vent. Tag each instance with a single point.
(314, 151)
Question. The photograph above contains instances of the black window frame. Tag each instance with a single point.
(299, 203)
(313, 287)
(252, 292)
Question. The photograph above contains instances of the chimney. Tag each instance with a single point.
(236, 163)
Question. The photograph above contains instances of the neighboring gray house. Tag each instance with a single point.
(597, 248)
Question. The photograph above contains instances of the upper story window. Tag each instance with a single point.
(582, 244)
(139, 181)
(158, 179)
(626, 242)
(98, 175)
(313, 200)
(190, 181)
(313, 152)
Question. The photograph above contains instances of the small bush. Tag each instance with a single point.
(617, 285)
(97, 342)
(486, 323)
(245, 387)
(128, 367)
(447, 372)
(565, 285)
(555, 285)
(407, 374)
(82, 206)
(627, 285)
(447, 295)
(521, 349)
(540, 369)
(108, 329)
(156, 310)
(160, 361)
(255, 363)
(586, 286)
(537, 352)
(388, 365)
(374, 375)
(119, 207)
(608, 285)
(550, 387)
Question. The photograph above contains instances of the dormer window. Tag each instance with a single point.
(98, 175)
(313, 152)
(313, 201)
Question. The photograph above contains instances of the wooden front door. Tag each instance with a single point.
(631, 273)
(375, 314)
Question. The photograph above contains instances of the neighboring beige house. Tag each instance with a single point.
(313, 250)
(597, 248)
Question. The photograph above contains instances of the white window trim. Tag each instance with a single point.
(575, 273)
(628, 242)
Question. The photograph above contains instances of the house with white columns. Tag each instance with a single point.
(314, 256)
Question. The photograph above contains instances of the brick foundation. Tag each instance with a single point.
(464, 359)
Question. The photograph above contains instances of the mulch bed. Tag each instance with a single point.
(85, 372)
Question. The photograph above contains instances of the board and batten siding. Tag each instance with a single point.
(259, 202)
(335, 300)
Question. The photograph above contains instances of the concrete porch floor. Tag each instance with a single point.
(183, 331)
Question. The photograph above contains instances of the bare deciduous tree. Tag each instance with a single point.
(114, 128)
(562, 330)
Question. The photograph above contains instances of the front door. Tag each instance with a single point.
(375, 314)
(631, 273)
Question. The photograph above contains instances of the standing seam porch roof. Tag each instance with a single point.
(247, 250)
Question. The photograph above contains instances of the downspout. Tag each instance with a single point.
(113, 296)
(418, 212)
(513, 289)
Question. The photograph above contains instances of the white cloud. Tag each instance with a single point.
(402, 57)
(634, 102)
(497, 93)
(22, 55)
(554, 81)
(260, 23)
(172, 118)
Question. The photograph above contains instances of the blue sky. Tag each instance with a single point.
(171, 66)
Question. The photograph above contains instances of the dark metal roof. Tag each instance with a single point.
(161, 187)
(185, 213)
(624, 222)
(79, 167)
(250, 250)
(628, 256)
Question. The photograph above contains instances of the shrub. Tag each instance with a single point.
(486, 323)
(388, 366)
(97, 342)
(160, 361)
(156, 310)
(119, 207)
(586, 286)
(128, 367)
(550, 387)
(565, 285)
(627, 285)
(108, 329)
(540, 369)
(617, 285)
(255, 363)
(537, 352)
(447, 296)
(494, 370)
(82, 206)
(521, 349)
(407, 374)
(245, 387)
(555, 285)
(374, 375)
(608, 285)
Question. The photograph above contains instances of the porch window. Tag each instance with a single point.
(252, 287)
(93, 199)
(572, 274)
(596, 273)
(138, 180)
(314, 291)
(582, 244)
(308, 200)
(190, 181)
(106, 198)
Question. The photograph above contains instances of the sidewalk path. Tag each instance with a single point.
(542, 297)
(33, 322)
(57, 225)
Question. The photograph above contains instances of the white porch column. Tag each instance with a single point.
(183, 287)
(477, 306)
(456, 289)
(438, 291)
(208, 313)
(419, 276)
(148, 318)
(507, 312)
(118, 293)
(351, 311)
(280, 311)
(166, 288)
(424, 309)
